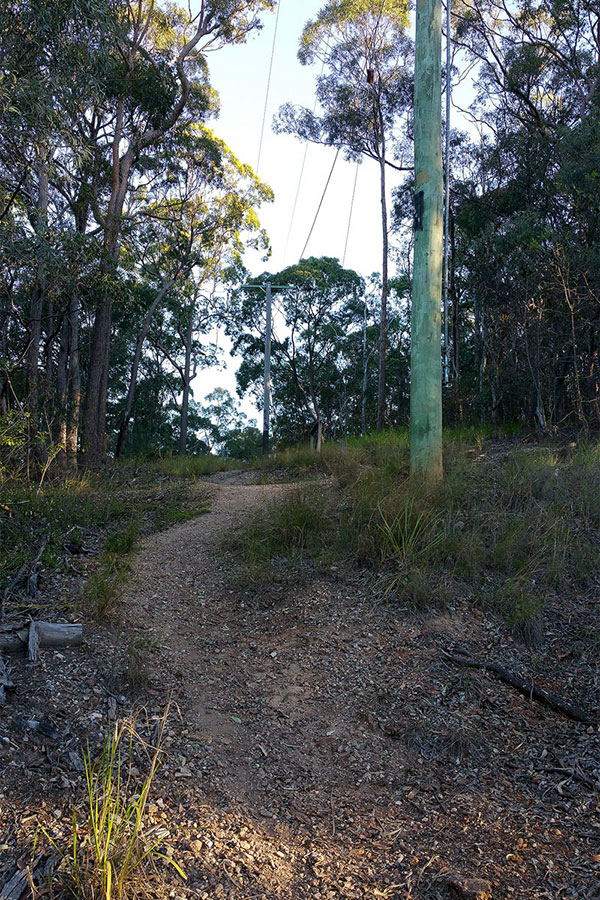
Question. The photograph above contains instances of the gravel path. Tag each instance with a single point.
(323, 747)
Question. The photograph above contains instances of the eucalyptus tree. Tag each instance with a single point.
(156, 78)
(193, 225)
(42, 52)
(317, 306)
(364, 91)
(528, 218)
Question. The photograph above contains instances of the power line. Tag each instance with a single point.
(337, 153)
(351, 213)
(303, 166)
(264, 121)
(296, 198)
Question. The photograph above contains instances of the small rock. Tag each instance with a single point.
(470, 889)
(196, 846)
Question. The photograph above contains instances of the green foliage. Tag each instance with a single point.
(123, 542)
(110, 510)
(103, 587)
(191, 467)
(13, 443)
(111, 850)
(139, 653)
(503, 529)
(290, 528)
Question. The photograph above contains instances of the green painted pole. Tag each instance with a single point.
(426, 365)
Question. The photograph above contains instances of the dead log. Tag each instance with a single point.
(526, 687)
(18, 636)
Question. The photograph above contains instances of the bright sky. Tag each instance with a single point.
(240, 74)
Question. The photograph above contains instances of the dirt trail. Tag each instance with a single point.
(321, 746)
(326, 749)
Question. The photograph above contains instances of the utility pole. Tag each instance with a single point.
(267, 384)
(447, 193)
(426, 369)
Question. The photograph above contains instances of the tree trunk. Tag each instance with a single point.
(454, 304)
(426, 369)
(319, 433)
(136, 364)
(62, 378)
(363, 408)
(185, 400)
(74, 383)
(384, 297)
(94, 414)
(37, 298)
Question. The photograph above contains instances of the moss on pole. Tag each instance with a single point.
(426, 366)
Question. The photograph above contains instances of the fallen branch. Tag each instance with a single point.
(20, 637)
(527, 688)
(575, 775)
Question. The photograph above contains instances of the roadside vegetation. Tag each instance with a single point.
(510, 523)
(97, 516)
(111, 851)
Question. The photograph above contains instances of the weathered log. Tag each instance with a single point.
(33, 644)
(17, 637)
(527, 688)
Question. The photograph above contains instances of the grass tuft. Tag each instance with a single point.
(506, 527)
(111, 849)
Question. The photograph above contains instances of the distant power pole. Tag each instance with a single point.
(426, 365)
(267, 383)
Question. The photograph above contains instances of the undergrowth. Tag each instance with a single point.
(504, 528)
(94, 516)
(111, 850)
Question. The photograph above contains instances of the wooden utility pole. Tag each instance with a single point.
(267, 383)
(447, 192)
(426, 368)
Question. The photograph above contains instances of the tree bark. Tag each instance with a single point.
(62, 378)
(185, 400)
(136, 364)
(426, 368)
(37, 297)
(74, 383)
(384, 294)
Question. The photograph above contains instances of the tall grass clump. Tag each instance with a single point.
(111, 849)
(506, 527)
(292, 527)
(192, 467)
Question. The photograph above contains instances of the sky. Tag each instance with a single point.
(240, 74)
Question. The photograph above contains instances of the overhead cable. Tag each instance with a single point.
(312, 227)
(268, 91)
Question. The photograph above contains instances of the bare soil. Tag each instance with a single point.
(321, 746)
